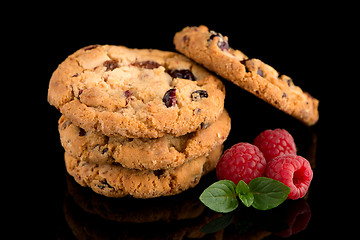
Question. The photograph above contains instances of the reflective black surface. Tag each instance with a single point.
(86, 215)
(53, 206)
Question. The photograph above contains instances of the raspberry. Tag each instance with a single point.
(294, 171)
(243, 161)
(273, 143)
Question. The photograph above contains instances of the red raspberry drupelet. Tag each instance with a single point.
(294, 171)
(243, 161)
(273, 143)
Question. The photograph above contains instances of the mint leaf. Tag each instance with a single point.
(220, 196)
(268, 193)
(243, 190)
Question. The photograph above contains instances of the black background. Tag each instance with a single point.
(307, 46)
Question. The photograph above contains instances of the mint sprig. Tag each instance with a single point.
(262, 193)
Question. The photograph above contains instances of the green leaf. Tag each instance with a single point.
(243, 190)
(268, 193)
(220, 196)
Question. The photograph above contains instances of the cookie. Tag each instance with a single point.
(142, 153)
(113, 180)
(135, 92)
(212, 50)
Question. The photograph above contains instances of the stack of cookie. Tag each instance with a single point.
(138, 122)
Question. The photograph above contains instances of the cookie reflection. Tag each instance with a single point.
(92, 216)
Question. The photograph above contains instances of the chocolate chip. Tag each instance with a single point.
(244, 63)
(198, 95)
(75, 75)
(284, 95)
(146, 64)
(105, 150)
(170, 98)
(195, 180)
(82, 132)
(185, 38)
(104, 184)
(159, 172)
(289, 82)
(111, 65)
(204, 125)
(182, 73)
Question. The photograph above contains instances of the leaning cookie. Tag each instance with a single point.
(142, 153)
(135, 92)
(113, 180)
(212, 50)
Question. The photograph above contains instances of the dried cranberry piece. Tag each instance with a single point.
(214, 34)
(222, 43)
(128, 95)
(110, 65)
(260, 72)
(90, 47)
(146, 64)
(170, 98)
(198, 95)
(182, 73)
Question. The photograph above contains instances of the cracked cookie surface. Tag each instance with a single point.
(113, 180)
(135, 92)
(212, 50)
(142, 153)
